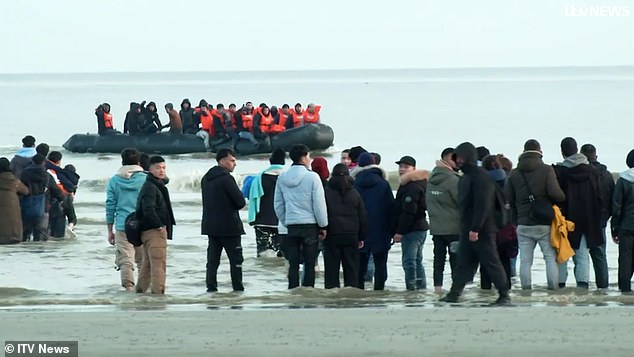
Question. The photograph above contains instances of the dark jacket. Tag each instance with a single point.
(153, 207)
(378, 199)
(151, 121)
(543, 185)
(101, 122)
(606, 182)
(41, 182)
(623, 205)
(10, 215)
(347, 218)
(476, 195)
(266, 216)
(442, 201)
(68, 179)
(582, 206)
(190, 126)
(134, 121)
(410, 203)
(223, 123)
(222, 199)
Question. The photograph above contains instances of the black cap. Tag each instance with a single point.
(630, 159)
(407, 160)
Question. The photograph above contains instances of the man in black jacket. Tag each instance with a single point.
(222, 199)
(606, 186)
(623, 223)
(580, 182)
(156, 218)
(190, 125)
(412, 227)
(476, 196)
(34, 207)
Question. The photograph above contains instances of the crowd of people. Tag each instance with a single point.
(218, 124)
(480, 211)
(37, 194)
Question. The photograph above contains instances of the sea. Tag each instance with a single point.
(416, 112)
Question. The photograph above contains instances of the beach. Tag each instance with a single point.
(437, 331)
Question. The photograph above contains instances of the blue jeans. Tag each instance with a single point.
(412, 247)
(528, 237)
(582, 264)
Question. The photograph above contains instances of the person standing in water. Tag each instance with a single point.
(121, 198)
(156, 218)
(221, 223)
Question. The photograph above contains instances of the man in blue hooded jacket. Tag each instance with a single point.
(121, 198)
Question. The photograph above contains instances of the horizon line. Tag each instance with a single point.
(324, 70)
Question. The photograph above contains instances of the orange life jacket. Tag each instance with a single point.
(222, 119)
(107, 120)
(298, 119)
(312, 118)
(57, 181)
(247, 121)
(206, 121)
(266, 122)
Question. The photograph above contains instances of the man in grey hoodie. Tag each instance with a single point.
(300, 205)
(121, 198)
(581, 185)
(444, 215)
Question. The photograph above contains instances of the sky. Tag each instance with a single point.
(62, 36)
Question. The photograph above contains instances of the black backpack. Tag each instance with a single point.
(133, 229)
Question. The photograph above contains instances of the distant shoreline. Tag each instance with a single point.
(430, 70)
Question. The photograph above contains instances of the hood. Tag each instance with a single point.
(497, 175)
(417, 175)
(26, 152)
(440, 174)
(134, 106)
(215, 172)
(7, 181)
(186, 101)
(575, 160)
(468, 152)
(599, 166)
(38, 172)
(126, 171)
(628, 175)
(530, 161)
(358, 169)
(293, 177)
(370, 176)
(130, 179)
(580, 173)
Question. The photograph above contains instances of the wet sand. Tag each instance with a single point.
(438, 331)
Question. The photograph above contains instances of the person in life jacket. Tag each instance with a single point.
(67, 182)
(285, 117)
(203, 114)
(277, 128)
(298, 115)
(262, 122)
(105, 123)
(244, 123)
(225, 125)
(311, 115)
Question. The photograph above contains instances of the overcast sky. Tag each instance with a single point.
(203, 35)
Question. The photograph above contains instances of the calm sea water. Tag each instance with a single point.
(413, 112)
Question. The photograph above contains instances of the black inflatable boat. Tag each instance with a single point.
(315, 136)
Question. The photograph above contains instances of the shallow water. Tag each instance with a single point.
(391, 112)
